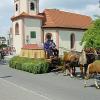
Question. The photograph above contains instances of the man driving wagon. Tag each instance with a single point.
(52, 53)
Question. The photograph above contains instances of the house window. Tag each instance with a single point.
(33, 34)
(72, 39)
(16, 29)
(16, 7)
(32, 7)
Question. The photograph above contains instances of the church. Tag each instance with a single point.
(30, 28)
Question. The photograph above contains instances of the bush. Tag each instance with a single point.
(3, 46)
(36, 66)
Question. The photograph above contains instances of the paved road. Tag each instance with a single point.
(19, 85)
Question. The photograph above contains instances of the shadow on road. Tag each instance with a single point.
(92, 86)
(5, 76)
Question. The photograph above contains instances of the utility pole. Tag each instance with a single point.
(99, 3)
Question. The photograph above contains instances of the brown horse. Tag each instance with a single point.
(93, 68)
(70, 60)
(83, 58)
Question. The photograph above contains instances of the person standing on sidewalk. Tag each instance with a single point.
(2, 56)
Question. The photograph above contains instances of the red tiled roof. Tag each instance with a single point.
(27, 15)
(54, 18)
(31, 47)
(57, 18)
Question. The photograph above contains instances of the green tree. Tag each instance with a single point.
(91, 37)
(3, 46)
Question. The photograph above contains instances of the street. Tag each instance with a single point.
(20, 85)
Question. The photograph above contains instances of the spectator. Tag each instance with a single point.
(2, 55)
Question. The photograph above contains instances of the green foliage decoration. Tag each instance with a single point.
(3, 46)
(35, 66)
(91, 37)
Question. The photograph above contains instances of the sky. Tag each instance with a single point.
(85, 7)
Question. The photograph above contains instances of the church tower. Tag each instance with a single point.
(30, 7)
(26, 23)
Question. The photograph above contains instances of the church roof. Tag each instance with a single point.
(25, 15)
(53, 18)
(61, 19)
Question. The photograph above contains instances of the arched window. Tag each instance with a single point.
(32, 7)
(16, 29)
(72, 40)
(16, 7)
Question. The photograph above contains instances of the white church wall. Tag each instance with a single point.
(23, 6)
(65, 42)
(64, 38)
(33, 25)
(17, 39)
(78, 37)
(35, 10)
(18, 11)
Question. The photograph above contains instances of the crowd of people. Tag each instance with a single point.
(6, 52)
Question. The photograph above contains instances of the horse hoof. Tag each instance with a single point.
(71, 76)
(86, 78)
(97, 87)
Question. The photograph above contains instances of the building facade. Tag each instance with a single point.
(31, 27)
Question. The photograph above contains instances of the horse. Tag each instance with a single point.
(93, 68)
(87, 57)
(70, 62)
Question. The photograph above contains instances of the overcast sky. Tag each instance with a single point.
(86, 7)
